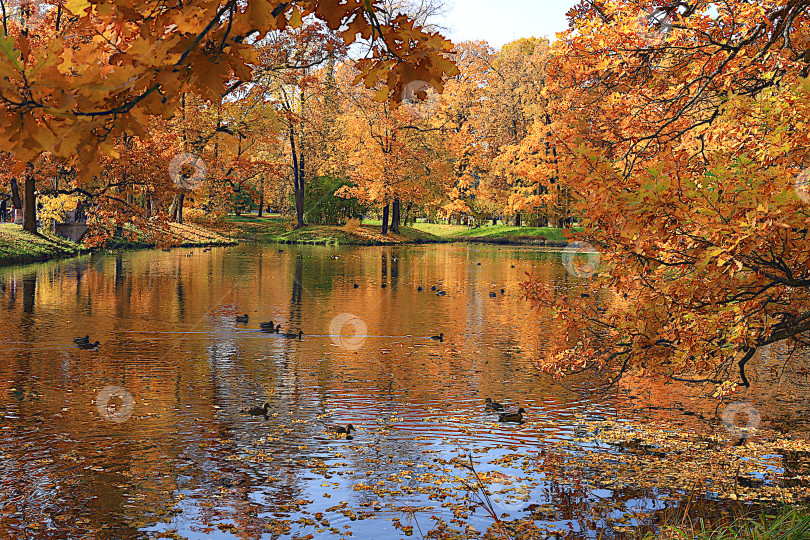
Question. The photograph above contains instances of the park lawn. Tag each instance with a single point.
(500, 234)
(166, 235)
(276, 229)
(19, 247)
(509, 233)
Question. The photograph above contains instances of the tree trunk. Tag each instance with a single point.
(176, 209)
(179, 217)
(517, 220)
(261, 199)
(298, 183)
(396, 216)
(30, 202)
(407, 214)
(15, 195)
(385, 219)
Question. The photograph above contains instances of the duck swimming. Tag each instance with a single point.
(512, 417)
(258, 411)
(80, 340)
(340, 430)
(440, 337)
(242, 318)
(88, 345)
(493, 405)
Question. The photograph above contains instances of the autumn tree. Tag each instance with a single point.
(91, 70)
(393, 152)
(685, 146)
(286, 77)
(490, 108)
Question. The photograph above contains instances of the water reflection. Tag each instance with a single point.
(188, 460)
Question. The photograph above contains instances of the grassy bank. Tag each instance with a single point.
(275, 229)
(501, 234)
(494, 234)
(19, 247)
(169, 234)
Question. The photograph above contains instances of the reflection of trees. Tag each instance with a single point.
(29, 288)
(177, 439)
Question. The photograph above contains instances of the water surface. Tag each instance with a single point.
(171, 451)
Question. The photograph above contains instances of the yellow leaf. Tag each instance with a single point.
(78, 7)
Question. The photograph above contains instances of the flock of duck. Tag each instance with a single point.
(270, 328)
(503, 416)
(267, 327)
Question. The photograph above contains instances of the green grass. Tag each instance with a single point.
(497, 234)
(19, 247)
(274, 229)
(787, 524)
(174, 234)
(507, 233)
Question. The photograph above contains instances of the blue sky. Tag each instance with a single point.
(502, 21)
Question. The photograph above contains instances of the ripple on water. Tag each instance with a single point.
(189, 457)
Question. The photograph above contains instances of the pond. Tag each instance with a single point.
(144, 438)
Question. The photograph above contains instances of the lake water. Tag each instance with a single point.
(144, 437)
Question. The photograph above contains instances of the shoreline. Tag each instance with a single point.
(18, 247)
(270, 229)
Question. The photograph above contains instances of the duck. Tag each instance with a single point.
(88, 345)
(440, 337)
(503, 291)
(492, 295)
(258, 411)
(512, 417)
(356, 286)
(270, 327)
(267, 326)
(166, 250)
(206, 250)
(340, 430)
(433, 288)
(297, 336)
(493, 405)
(384, 285)
(419, 289)
(80, 340)
(441, 293)
(242, 318)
